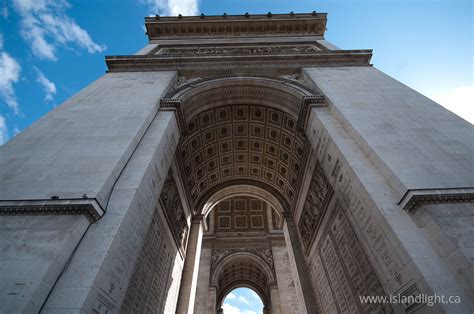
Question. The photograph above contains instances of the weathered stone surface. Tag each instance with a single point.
(115, 240)
(34, 250)
(341, 181)
(82, 146)
(397, 248)
(414, 142)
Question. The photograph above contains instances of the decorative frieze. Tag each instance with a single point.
(236, 25)
(223, 51)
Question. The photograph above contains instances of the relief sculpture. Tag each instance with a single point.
(239, 50)
(317, 200)
(174, 211)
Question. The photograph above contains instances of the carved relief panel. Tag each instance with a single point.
(341, 271)
(174, 212)
(152, 281)
(317, 200)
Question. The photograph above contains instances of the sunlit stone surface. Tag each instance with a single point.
(239, 151)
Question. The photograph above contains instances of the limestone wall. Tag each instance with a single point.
(82, 146)
(290, 302)
(154, 284)
(395, 245)
(34, 250)
(409, 138)
(98, 275)
(202, 290)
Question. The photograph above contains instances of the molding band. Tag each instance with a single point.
(87, 207)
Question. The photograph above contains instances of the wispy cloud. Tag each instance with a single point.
(230, 309)
(45, 25)
(230, 296)
(173, 7)
(458, 100)
(244, 300)
(9, 74)
(4, 11)
(3, 130)
(49, 87)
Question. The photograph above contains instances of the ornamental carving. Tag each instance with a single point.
(219, 254)
(239, 214)
(317, 200)
(174, 212)
(256, 50)
(341, 271)
(247, 142)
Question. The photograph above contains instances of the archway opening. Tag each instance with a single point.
(242, 300)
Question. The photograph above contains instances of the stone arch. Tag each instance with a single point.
(243, 269)
(281, 93)
(241, 190)
(242, 130)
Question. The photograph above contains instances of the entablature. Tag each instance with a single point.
(236, 25)
(245, 63)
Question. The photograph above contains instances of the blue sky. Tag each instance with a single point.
(242, 301)
(49, 49)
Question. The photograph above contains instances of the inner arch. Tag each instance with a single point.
(241, 190)
(243, 299)
(242, 130)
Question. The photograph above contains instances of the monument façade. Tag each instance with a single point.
(239, 151)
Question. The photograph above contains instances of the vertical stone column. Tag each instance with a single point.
(97, 277)
(298, 264)
(202, 289)
(275, 299)
(187, 291)
(211, 302)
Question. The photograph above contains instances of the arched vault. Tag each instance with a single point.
(242, 131)
(243, 269)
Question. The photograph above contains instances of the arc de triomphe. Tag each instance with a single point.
(238, 151)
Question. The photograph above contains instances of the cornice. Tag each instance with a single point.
(259, 62)
(236, 25)
(90, 208)
(413, 199)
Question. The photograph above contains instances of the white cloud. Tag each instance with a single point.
(230, 309)
(173, 7)
(230, 296)
(3, 130)
(244, 300)
(459, 100)
(45, 25)
(9, 74)
(49, 87)
(254, 294)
